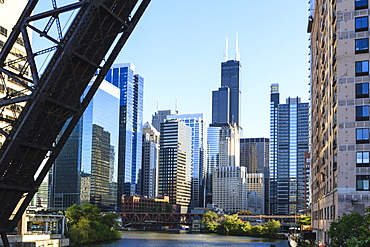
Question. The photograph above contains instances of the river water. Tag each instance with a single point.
(162, 239)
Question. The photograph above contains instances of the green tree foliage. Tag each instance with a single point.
(232, 225)
(209, 217)
(350, 230)
(304, 220)
(271, 228)
(87, 224)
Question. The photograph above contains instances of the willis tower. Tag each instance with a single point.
(226, 100)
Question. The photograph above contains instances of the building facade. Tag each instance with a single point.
(230, 188)
(274, 103)
(256, 193)
(229, 183)
(160, 117)
(86, 169)
(197, 123)
(213, 154)
(254, 155)
(174, 176)
(226, 100)
(340, 177)
(131, 87)
(150, 159)
(287, 176)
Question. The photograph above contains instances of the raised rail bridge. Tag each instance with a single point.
(52, 101)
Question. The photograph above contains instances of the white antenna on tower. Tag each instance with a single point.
(237, 51)
(226, 53)
(176, 105)
(157, 104)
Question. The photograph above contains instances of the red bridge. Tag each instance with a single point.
(158, 218)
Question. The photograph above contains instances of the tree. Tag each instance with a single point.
(209, 217)
(231, 225)
(349, 226)
(363, 240)
(87, 224)
(304, 220)
(271, 228)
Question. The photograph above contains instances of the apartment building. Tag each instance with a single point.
(339, 84)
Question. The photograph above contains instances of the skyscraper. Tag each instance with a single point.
(274, 103)
(229, 183)
(197, 123)
(160, 116)
(254, 154)
(86, 169)
(175, 163)
(130, 126)
(213, 153)
(340, 174)
(287, 170)
(226, 100)
(149, 171)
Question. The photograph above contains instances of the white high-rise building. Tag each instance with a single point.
(174, 178)
(198, 124)
(230, 188)
(149, 173)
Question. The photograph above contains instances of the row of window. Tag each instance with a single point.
(362, 91)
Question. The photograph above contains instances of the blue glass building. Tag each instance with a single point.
(87, 168)
(287, 177)
(213, 152)
(131, 87)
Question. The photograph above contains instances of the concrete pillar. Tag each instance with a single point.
(22, 225)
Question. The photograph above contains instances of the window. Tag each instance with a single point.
(361, 24)
(362, 159)
(363, 182)
(362, 45)
(362, 136)
(362, 113)
(362, 90)
(362, 68)
(3, 31)
(361, 4)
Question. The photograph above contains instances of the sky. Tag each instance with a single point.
(178, 47)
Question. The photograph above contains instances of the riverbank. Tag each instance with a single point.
(50, 240)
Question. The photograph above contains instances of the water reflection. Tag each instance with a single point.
(159, 239)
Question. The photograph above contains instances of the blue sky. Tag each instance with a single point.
(178, 48)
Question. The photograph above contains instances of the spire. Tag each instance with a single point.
(226, 52)
(176, 103)
(157, 104)
(237, 51)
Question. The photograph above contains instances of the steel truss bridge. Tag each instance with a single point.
(52, 100)
(175, 218)
(158, 218)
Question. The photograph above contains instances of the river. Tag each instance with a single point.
(162, 239)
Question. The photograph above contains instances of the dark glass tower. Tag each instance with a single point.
(86, 169)
(130, 127)
(226, 100)
(274, 103)
(287, 160)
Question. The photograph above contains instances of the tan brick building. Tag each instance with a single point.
(339, 45)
